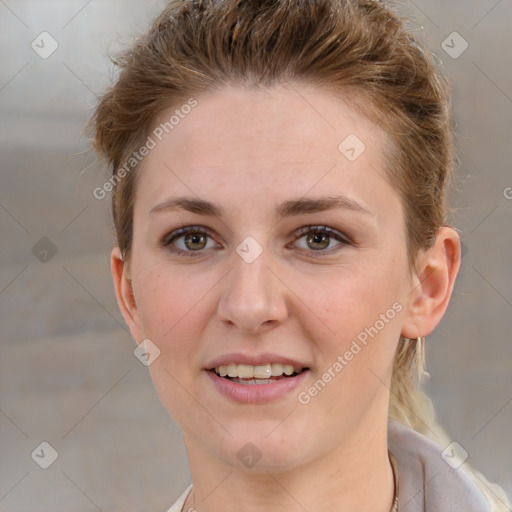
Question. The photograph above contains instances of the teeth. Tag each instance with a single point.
(288, 370)
(252, 382)
(245, 371)
(264, 371)
(277, 369)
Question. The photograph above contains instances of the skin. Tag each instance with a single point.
(248, 151)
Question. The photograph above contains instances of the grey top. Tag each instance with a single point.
(426, 481)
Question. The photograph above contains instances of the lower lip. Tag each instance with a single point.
(256, 393)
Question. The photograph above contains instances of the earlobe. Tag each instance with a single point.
(124, 293)
(433, 285)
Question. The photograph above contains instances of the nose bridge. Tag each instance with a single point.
(251, 296)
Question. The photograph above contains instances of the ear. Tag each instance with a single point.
(124, 293)
(432, 284)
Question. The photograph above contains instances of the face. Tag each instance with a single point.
(266, 236)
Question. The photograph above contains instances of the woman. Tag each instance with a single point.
(280, 170)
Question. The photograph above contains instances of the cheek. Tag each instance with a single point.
(356, 361)
(175, 308)
(363, 308)
(353, 298)
(168, 301)
(172, 308)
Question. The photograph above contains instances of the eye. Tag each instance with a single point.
(189, 241)
(320, 238)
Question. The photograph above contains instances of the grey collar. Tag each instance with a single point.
(426, 482)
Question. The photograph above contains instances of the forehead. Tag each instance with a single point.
(288, 140)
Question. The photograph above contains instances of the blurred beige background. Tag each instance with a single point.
(68, 375)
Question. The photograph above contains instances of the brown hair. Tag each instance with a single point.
(355, 46)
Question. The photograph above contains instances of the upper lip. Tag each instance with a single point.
(254, 360)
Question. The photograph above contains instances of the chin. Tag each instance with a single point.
(253, 449)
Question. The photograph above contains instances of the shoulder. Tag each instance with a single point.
(178, 505)
(427, 481)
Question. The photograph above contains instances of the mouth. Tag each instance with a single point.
(263, 382)
(257, 375)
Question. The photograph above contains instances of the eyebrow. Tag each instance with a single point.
(286, 209)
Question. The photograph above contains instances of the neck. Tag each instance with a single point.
(354, 476)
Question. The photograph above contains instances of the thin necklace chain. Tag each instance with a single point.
(394, 467)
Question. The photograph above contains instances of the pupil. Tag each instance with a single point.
(194, 239)
(319, 238)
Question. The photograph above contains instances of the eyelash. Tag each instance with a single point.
(180, 233)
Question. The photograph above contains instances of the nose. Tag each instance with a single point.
(253, 298)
